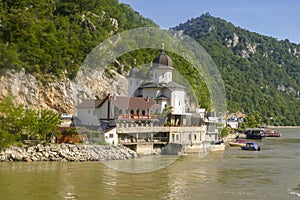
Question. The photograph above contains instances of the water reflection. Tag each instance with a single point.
(142, 164)
(269, 174)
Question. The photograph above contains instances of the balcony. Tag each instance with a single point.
(136, 117)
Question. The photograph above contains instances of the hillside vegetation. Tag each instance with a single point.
(52, 38)
(261, 74)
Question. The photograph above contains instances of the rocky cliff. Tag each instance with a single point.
(61, 95)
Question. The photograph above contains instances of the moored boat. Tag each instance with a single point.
(237, 143)
(272, 133)
(255, 133)
(251, 146)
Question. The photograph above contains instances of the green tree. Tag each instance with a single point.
(19, 123)
(164, 116)
(48, 122)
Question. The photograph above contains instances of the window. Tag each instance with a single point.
(132, 113)
(177, 137)
(195, 137)
(120, 112)
(111, 135)
(143, 112)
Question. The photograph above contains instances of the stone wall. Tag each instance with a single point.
(66, 152)
(172, 149)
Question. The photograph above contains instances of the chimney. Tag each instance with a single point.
(108, 106)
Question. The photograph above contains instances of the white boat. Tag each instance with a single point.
(238, 143)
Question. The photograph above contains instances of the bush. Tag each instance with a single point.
(225, 132)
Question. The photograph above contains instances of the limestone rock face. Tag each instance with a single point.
(61, 95)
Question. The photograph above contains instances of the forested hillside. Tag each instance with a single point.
(53, 37)
(261, 74)
(50, 39)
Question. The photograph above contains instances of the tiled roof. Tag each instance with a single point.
(89, 104)
(121, 102)
(162, 85)
(133, 102)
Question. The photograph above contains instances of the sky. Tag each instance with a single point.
(276, 18)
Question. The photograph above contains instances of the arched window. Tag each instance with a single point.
(131, 113)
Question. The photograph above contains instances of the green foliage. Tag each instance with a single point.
(252, 120)
(225, 132)
(54, 37)
(47, 123)
(8, 58)
(19, 123)
(260, 73)
(6, 139)
(164, 116)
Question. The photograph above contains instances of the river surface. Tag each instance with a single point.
(272, 173)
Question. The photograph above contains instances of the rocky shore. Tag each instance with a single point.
(66, 152)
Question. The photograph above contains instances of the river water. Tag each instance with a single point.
(273, 173)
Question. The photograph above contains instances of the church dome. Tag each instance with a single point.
(162, 59)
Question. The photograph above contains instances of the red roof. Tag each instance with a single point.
(121, 102)
(133, 102)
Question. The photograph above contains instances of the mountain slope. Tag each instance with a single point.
(43, 44)
(53, 37)
(261, 74)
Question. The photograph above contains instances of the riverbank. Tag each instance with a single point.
(282, 126)
(66, 152)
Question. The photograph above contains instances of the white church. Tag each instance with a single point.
(160, 87)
